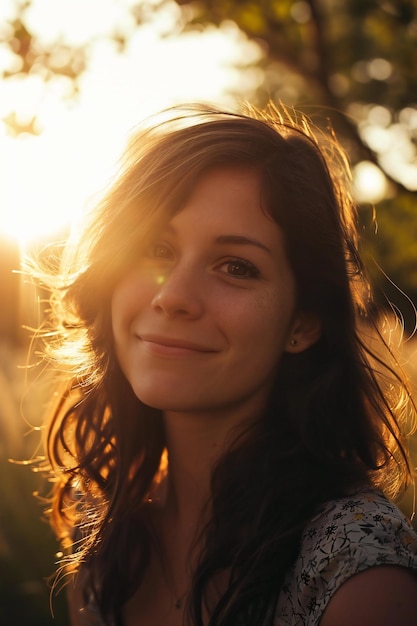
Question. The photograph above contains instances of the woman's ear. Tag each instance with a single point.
(305, 331)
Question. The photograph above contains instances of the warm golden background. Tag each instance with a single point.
(77, 75)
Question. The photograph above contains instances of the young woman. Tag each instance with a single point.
(227, 442)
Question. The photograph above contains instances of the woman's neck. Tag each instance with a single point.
(195, 442)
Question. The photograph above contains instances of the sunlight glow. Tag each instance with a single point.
(37, 196)
(393, 141)
(369, 182)
(77, 21)
(49, 178)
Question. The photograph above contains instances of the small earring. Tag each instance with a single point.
(293, 342)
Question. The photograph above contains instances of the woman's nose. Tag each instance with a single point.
(179, 293)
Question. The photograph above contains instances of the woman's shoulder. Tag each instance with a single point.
(365, 518)
(347, 536)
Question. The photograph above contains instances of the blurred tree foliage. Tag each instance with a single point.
(348, 63)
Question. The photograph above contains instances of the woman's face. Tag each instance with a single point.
(202, 320)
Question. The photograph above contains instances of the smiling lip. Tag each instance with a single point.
(169, 346)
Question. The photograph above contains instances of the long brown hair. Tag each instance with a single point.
(336, 413)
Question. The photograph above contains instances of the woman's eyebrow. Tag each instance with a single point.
(242, 241)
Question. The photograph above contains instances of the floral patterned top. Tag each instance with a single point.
(348, 536)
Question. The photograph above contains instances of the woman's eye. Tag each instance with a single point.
(240, 268)
(160, 251)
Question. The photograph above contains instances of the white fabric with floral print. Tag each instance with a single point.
(348, 536)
